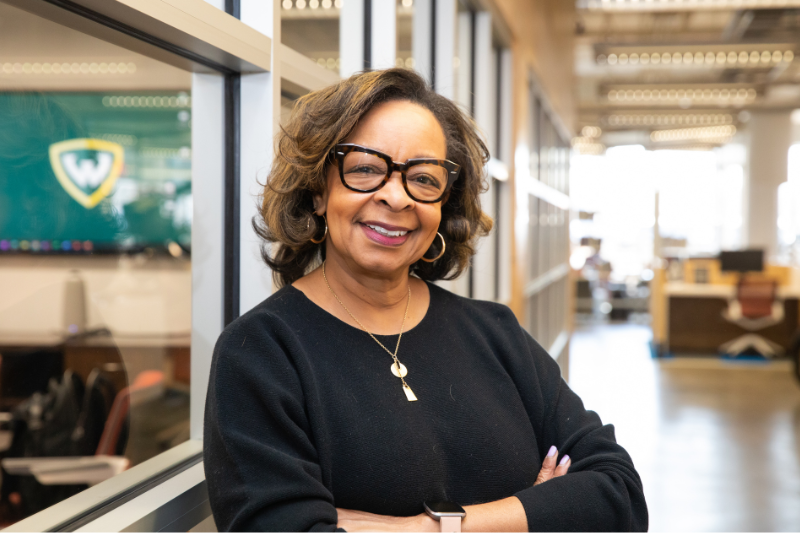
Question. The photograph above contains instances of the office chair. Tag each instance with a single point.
(754, 308)
(92, 469)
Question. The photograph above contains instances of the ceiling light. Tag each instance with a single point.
(180, 101)
(588, 146)
(680, 94)
(592, 132)
(668, 119)
(740, 58)
(682, 5)
(67, 68)
(694, 134)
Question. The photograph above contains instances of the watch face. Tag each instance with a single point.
(445, 508)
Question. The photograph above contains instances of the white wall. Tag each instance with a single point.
(127, 295)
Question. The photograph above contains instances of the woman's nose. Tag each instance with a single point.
(393, 193)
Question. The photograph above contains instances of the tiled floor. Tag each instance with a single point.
(717, 444)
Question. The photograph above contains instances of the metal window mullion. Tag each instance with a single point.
(382, 21)
(232, 234)
(351, 37)
(261, 97)
(423, 39)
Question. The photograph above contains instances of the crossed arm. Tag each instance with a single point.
(507, 514)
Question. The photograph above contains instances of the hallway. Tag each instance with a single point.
(717, 444)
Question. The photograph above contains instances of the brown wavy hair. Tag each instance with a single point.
(324, 118)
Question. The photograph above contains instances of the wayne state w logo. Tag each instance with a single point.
(87, 168)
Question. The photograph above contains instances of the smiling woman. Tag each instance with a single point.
(310, 426)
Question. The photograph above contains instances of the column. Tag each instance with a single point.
(770, 135)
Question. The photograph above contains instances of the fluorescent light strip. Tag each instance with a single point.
(669, 119)
(623, 96)
(742, 58)
(682, 5)
(181, 101)
(588, 145)
(694, 134)
(67, 68)
(312, 4)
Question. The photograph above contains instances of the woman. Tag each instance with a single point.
(360, 393)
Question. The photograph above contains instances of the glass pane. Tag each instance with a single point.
(95, 259)
(311, 27)
(405, 19)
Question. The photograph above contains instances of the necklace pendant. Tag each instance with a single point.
(402, 372)
(409, 393)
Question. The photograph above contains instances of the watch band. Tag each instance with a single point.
(450, 524)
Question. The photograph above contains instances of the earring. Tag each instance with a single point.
(440, 253)
(325, 235)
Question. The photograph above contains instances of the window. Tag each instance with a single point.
(112, 294)
(95, 253)
(311, 27)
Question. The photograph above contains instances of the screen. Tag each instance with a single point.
(94, 172)
(742, 261)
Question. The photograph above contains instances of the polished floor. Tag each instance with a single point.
(717, 444)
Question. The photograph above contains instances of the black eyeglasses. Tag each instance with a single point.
(363, 169)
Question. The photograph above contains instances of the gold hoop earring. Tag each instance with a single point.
(325, 235)
(440, 253)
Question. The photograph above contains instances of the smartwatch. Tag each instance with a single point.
(448, 514)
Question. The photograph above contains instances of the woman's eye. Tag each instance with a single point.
(426, 180)
(365, 169)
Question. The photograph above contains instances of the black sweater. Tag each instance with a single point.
(303, 415)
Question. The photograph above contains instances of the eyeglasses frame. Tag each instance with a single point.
(453, 169)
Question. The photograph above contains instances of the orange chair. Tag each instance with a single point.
(755, 307)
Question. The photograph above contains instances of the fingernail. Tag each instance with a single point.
(564, 460)
(552, 451)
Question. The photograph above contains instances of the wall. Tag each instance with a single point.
(544, 40)
(542, 44)
(128, 295)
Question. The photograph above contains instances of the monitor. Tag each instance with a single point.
(94, 172)
(742, 261)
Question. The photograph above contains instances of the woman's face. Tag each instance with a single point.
(358, 222)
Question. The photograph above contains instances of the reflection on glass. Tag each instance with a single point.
(95, 268)
(311, 27)
(405, 19)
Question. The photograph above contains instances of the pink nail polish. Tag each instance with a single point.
(564, 460)
(552, 451)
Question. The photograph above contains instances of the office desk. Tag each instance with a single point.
(706, 290)
(125, 356)
(694, 321)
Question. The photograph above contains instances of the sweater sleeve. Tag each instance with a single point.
(261, 465)
(602, 491)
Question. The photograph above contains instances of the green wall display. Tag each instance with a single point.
(94, 172)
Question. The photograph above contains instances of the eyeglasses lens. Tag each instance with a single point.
(366, 171)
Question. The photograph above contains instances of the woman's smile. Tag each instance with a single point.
(385, 234)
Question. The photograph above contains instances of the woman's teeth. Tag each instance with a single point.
(386, 232)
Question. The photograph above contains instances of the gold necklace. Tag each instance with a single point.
(398, 368)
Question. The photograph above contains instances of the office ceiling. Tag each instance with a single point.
(676, 73)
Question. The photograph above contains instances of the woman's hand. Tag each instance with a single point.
(550, 469)
(350, 520)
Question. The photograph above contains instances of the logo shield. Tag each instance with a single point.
(87, 168)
